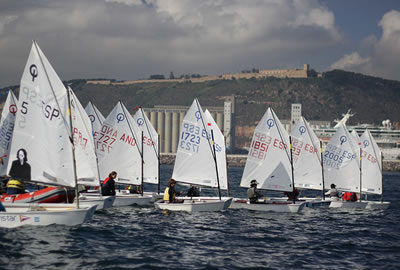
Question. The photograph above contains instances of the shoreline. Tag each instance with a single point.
(240, 161)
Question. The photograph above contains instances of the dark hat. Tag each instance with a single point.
(253, 182)
(333, 185)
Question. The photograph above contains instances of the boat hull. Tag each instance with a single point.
(372, 205)
(348, 205)
(269, 205)
(126, 198)
(21, 214)
(45, 195)
(103, 202)
(198, 204)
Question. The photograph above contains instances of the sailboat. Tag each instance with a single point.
(371, 168)
(269, 163)
(151, 152)
(197, 160)
(85, 155)
(307, 162)
(119, 148)
(6, 129)
(42, 133)
(342, 166)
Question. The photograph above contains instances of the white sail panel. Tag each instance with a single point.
(194, 162)
(220, 149)
(85, 156)
(306, 157)
(95, 117)
(7, 123)
(341, 160)
(268, 160)
(150, 147)
(371, 169)
(118, 147)
(356, 137)
(41, 128)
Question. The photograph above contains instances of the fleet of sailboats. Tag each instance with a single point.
(59, 143)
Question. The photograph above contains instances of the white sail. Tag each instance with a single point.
(306, 157)
(41, 126)
(194, 163)
(342, 161)
(150, 147)
(268, 160)
(220, 149)
(118, 147)
(370, 165)
(95, 117)
(85, 156)
(7, 123)
(356, 137)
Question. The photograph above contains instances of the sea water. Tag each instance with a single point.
(147, 238)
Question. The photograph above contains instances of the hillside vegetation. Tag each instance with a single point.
(371, 99)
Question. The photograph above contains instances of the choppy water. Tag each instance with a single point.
(145, 238)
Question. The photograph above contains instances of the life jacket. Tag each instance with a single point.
(346, 196)
(166, 195)
(105, 181)
(15, 184)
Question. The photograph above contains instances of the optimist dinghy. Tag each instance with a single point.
(200, 160)
(43, 133)
(269, 162)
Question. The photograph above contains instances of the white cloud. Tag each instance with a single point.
(351, 61)
(384, 56)
(127, 39)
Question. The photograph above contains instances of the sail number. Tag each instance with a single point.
(191, 137)
(259, 146)
(299, 146)
(335, 156)
(368, 157)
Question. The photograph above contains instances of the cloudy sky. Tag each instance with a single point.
(131, 39)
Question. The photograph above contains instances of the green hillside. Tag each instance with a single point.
(371, 99)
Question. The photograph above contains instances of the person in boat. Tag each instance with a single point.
(170, 192)
(333, 193)
(108, 187)
(20, 171)
(253, 193)
(193, 191)
(134, 189)
(350, 197)
(292, 195)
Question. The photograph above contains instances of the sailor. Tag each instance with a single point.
(292, 195)
(333, 193)
(108, 187)
(19, 172)
(349, 196)
(253, 193)
(193, 191)
(170, 192)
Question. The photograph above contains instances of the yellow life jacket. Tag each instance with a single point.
(166, 195)
(15, 184)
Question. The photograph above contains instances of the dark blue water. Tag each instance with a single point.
(145, 238)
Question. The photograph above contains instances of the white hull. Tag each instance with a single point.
(375, 205)
(269, 205)
(22, 214)
(101, 202)
(310, 202)
(196, 204)
(124, 199)
(155, 195)
(348, 205)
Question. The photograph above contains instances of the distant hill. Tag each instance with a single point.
(324, 98)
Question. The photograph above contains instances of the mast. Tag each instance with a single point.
(382, 177)
(360, 172)
(73, 150)
(215, 161)
(227, 180)
(142, 155)
(291, 165)
(322, 170)
(159, 161)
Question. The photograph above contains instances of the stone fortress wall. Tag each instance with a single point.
(262, 73)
